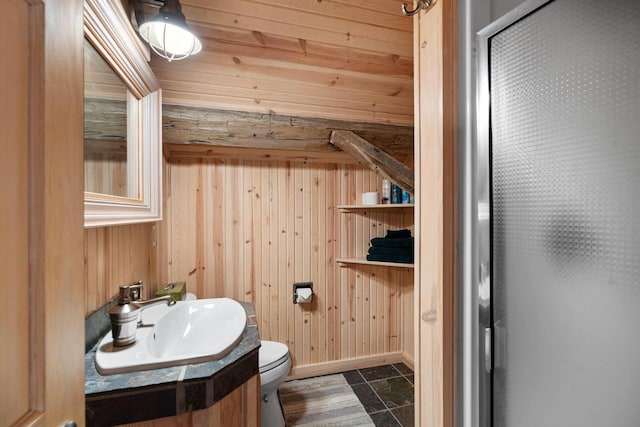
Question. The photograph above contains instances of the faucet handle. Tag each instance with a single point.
(130, 293)
(135, 291)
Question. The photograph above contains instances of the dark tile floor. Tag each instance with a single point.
(386, 392)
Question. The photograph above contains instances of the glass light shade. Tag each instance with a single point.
(168, 40)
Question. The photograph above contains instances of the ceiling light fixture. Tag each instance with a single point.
(168, 33)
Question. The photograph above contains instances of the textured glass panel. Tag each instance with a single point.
(565, 101)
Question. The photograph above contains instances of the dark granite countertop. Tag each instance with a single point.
(144, 395)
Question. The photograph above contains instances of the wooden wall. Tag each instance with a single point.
(117, 256)
(316, 58)
(248, 229)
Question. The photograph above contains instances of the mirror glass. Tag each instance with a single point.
(123, 121)
(111, 156)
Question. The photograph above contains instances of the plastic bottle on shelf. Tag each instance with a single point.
(396, 194)
(386, 191)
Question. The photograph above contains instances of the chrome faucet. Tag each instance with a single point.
(125, 317)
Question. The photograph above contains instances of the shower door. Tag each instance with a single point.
(559, 214)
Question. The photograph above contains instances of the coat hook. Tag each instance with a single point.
(422, 4)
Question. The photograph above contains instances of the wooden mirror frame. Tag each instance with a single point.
(107, 28)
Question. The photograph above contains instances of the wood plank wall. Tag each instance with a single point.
(331, 59)
(249, 229)
(117, 256)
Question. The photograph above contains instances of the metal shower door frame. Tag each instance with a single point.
(483, 193)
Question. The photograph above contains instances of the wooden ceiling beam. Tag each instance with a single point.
(204, 126)
(373, 157)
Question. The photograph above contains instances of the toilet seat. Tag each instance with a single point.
(271, 355)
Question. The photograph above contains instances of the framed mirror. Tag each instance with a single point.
(122, 117)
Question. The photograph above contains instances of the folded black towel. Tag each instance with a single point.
(377, 253)
(398, 234)
(382, 251)
(406, 242)
(394, 258)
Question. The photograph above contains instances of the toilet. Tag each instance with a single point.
(275, 365)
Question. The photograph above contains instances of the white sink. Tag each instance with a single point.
(184, 333)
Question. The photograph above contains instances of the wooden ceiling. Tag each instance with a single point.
(337, 59)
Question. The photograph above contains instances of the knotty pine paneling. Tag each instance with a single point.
(117, 256)
(249, 229)
(330, 59)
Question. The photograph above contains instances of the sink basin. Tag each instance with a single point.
(185, 333)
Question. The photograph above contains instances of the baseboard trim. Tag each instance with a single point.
(407, 359)
(336, 366)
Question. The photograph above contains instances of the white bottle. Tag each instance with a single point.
(386, 191)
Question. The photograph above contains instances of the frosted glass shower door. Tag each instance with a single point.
(562, 137)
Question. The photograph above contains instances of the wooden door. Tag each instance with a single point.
(41, 225)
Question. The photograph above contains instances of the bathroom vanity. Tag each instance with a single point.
(220, 392)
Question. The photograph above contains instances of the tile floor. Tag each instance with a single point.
(386, 392)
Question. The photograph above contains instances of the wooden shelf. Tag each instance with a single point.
(388, 206)
(379, 263)
(398, 207)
